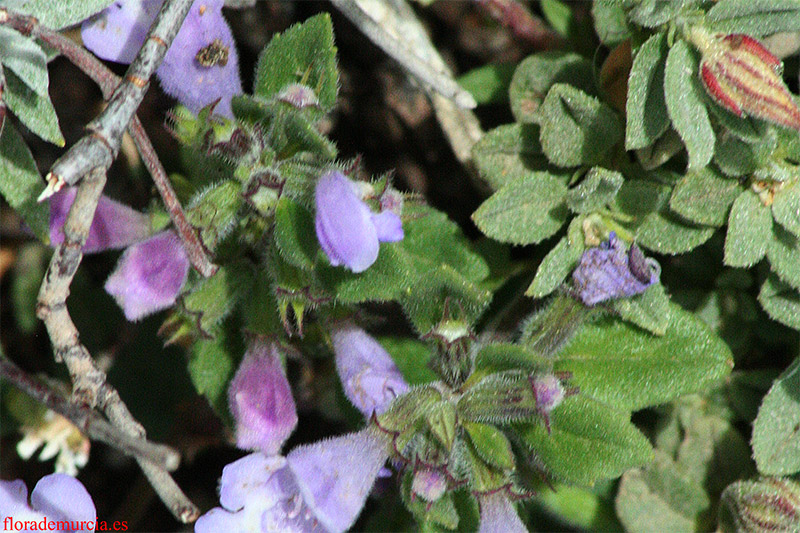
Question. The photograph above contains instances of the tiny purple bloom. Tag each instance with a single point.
(58, 497)
(498, 515)
(115, 225)
(347, 230)
(149, 275)
(369, 376)
(430, 484)
(336, 475)
(200, 67)
(548, 391)
(261, 400)
(609, 272)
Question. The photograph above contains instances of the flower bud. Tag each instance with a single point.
(742, 76)
(149, 275)
(261, 400)
(298, 95)
(429, 484)
(770, 504)
(369, 376)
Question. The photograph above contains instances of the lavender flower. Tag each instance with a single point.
(608, 272)
(261, 400)
(347, 230)
(59, 497)
(318, 487)
(498, 515)
(149, 275)
(200, 67)
(369, 376)
(115, 225)
(429, 484)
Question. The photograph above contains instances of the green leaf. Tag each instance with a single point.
(786, 207)
(305, 54)
(294, 234)
(776, 430)
(29, 269)
(780, 301)
(508, 153)
(667, 233)
(749, 223)
(20, 182)
(610, 22)
(649, 310)
(411, 356)
(36, 112)
(536, 74)
(653, 13)
(597, 190)
(58, 15)
(491, 444)
(734, 156)
(587, 509)
(212, 365)
(622, 365)
(704, 196)
(559, 262)
(589, 441)
(576, 129)
(686, 107)
(506, 356)
(783, 252)
(215, 297)
(558, 15)
(25, 58)
(525, 211)
(488, 84)
(658, 498)
(646, 109)
(754, 17)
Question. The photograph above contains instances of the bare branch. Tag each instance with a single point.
(87, 420)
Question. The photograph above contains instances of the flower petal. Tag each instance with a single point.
(498, 515)
(344, 224)
(14, 501)
(149, 275)
(115, 225)
(261, 400)
(202, 65)
(335, 475)
(388, 226)
(62, 497)
(117, 33)
(370, 378)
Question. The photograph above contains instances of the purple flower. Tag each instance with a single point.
(200, 67)
(549, 393)
(369, 376)
(149, 275)
(317, 487)
(429, 484)
(114, 226)
(498, 515)
(58, 497)
(261, 400)
(347, 230)
(609, 272)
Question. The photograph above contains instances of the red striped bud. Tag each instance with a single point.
(742, 76)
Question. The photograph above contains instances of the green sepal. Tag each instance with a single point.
(524, 211)
(305, 53)
(588, 441)
(295, 237)
(536, 74)
(575, 128)
(499, 398)
(646, 110)
(704, 196)
(406, 410)
(501, 356)
(625, 366)
(441, 420)
(748, 224)
(214, 211)
(483, 477)
(491, 444)
(211, 300)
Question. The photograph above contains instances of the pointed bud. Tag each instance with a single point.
(114, 226)
(429, 484)
(767, 505)
(149, 275)
(742, 76)
(261, 400)
(369, 376)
